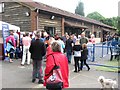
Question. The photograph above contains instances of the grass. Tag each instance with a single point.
(109, 69)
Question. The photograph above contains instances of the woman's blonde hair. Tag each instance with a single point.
(77, 42)
(84, 45)
(56, 47)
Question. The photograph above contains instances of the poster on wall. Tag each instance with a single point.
(5, 33)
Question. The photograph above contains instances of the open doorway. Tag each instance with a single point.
(71, 30)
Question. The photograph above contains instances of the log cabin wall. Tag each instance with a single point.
(73, 21)
(15, 13)
(44, 20)
(89, 25)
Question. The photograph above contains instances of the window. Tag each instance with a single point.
(87, 34)
(50, 30)
(0, 33)
(95, 34)
(99, 34)
(1, 7)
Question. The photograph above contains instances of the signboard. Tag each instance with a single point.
(5, 32)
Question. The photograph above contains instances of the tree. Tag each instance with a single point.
(108, 21)
(114, 21)
(118, 25)
(95, 15)
(80, 9)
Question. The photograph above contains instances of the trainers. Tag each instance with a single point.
(33, 80)
(40, 82)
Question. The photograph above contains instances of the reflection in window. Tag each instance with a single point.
(99, 34)
(50, 30)
(1, 7)
(95, 34)
(87, 34)
(0, 33)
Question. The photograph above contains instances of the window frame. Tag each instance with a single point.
(2, 6)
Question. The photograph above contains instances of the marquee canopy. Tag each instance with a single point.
(11, 27)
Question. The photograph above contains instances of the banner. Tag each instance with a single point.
(5, 33)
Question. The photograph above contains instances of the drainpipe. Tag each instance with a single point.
(62, 23)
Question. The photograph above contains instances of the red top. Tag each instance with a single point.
(92, 40)
(12, 39)
(61, 60)
(49, 50)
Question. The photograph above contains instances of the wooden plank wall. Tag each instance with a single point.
(15, 13)
(44, 20)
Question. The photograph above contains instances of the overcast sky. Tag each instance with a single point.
(107, 8)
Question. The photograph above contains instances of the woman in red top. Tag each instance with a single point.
(60, 60)
(92, 39)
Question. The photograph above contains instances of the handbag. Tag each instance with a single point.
(55, 80)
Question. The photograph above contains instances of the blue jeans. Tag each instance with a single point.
(69, 55)
(37, 69)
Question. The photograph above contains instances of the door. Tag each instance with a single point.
(50, 30)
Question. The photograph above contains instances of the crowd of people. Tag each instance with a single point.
(113, 42)
(40, 45)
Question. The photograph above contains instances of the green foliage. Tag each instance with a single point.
(113, 63)
(80, 9)
(96, 16)
(111, 21)
(114, 21)
(118, 24)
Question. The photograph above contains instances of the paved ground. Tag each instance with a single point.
(16, 76)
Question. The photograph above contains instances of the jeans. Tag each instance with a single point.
(11, 53)
(37, 69)
(17, 52)
(69, 55)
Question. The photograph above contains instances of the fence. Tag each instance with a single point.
(99, 50)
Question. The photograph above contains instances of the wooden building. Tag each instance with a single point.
(30, 16)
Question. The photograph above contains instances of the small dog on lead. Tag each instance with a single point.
(107, 83)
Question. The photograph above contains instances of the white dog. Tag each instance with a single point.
(107, 83)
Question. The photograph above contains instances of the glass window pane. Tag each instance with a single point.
(0, 7)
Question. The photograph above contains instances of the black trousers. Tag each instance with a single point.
(76, 60)
(84, 61)
(11, 53)
(54, 89)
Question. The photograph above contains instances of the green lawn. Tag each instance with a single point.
(109, 69)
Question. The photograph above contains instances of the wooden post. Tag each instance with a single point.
(101, 35)
(82, 23)
(62, 23)
(33, 20)
(93, 29)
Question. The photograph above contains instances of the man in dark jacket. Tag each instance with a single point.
(68, 48)
(37, 50)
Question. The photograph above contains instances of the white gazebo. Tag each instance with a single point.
(11, 27)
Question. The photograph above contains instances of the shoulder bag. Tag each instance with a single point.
(55, 80)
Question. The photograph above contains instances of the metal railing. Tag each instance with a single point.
(99, 50)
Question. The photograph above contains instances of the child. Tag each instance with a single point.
(84, 54)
